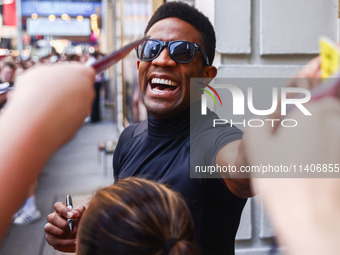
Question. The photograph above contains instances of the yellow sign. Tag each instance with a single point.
(330, 57)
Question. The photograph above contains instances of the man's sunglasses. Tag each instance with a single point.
(179, 51)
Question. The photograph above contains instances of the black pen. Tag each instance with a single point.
(69, 205)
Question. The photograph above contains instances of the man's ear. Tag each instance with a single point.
(209, 73)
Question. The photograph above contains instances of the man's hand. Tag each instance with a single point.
(57, 231)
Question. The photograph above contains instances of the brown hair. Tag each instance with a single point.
(136, 216)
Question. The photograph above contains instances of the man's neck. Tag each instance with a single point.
(169, 127)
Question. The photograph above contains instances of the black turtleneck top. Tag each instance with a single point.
(159, 149)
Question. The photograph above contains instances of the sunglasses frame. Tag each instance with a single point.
(168, 44)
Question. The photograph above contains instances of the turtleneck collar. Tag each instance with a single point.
(174, 126)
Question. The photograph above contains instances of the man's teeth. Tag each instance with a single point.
(163, 81)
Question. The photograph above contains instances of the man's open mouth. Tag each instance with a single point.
(163, 85)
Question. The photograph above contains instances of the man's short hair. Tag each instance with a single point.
(191, 15)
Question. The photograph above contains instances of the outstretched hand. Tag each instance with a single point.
(45, 110)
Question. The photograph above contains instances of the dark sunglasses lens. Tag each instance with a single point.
(148, 50)
(182, 52)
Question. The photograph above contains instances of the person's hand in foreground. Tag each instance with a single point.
(46, 108)
(308, 77)
(304, 211)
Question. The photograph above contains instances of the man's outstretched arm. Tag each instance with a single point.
(233, 154)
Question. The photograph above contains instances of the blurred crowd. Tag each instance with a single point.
(12, 67)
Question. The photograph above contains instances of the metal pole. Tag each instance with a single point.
(122, 61)
(19, 24)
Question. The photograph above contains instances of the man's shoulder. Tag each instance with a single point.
(126, 139)
(213, 138)
(134, 130)
(131, 132)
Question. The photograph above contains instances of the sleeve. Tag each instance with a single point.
(205, 146)
(222, 137)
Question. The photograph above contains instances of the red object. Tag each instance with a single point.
(93, 37)
(330, 88)
(10, 14)
(107, 61)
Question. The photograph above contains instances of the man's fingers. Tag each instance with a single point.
(66, 213)
(61, 209)
(55, 231)
(58, 221)
(64, 245)
(78, 211)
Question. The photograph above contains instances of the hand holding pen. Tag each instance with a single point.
(57, 230)
(69, 205)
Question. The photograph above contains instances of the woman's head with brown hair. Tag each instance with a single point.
(136, 216)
